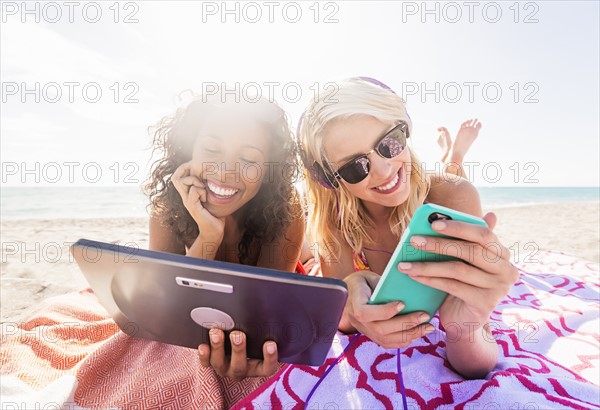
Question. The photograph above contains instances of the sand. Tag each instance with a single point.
(36, 263)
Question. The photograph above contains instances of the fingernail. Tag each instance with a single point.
(439, 225)
(271, 348)
(237, 338)
(399, 306)
(404, 266)
(201, 352)
(423, 317)
(214, 337)
(418, 240)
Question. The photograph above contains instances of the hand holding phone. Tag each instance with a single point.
(397, 286)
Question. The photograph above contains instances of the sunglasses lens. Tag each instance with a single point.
(355, 171)
(392, 145)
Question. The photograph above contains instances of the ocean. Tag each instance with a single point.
(52, 202)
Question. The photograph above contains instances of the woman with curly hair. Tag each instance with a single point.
(223, 190)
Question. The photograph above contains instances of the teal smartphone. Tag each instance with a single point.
(397, 286)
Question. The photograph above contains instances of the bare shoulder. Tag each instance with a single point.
(336, 259)
(162, 238)
(454, 192)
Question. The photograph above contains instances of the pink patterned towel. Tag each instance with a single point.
(548, 332)
(69, 354)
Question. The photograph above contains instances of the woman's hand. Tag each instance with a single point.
(379, 322)
(193, 194)
(474, 288)
(237, 366)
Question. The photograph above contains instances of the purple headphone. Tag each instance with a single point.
(316, 171)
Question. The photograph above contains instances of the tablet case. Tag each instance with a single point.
(176, 299)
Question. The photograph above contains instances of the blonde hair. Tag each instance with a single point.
(337, 212)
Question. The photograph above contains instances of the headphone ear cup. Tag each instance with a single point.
(323, 177)
(316, 172)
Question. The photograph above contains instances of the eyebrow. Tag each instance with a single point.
(243, 146)
(351, 156)
(253, 147)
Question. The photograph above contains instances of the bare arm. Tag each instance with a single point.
(336, 262)
(475, 288)
(378, 322)
(163, 239)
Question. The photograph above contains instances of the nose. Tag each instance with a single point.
(229, 169)
(226, 168)
(379, 167)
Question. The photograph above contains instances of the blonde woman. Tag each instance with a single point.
(364, 184)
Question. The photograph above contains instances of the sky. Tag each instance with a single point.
(83, 81)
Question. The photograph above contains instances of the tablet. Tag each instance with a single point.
(176, 299)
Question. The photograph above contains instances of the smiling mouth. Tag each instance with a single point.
(392, 185)
(221, 191)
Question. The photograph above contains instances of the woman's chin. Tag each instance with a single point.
(220, 211)
(223, 210)
(396, 198)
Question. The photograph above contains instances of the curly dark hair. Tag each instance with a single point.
(266, 216)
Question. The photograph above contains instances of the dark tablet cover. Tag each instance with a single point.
(152, 295)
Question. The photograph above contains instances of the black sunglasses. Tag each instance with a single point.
(389, 146)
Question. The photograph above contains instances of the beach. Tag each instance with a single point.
(36, 263)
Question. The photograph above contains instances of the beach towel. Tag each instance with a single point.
(70, 354)
(547, 329)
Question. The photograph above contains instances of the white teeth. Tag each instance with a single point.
(389, 185)
(221, 191)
